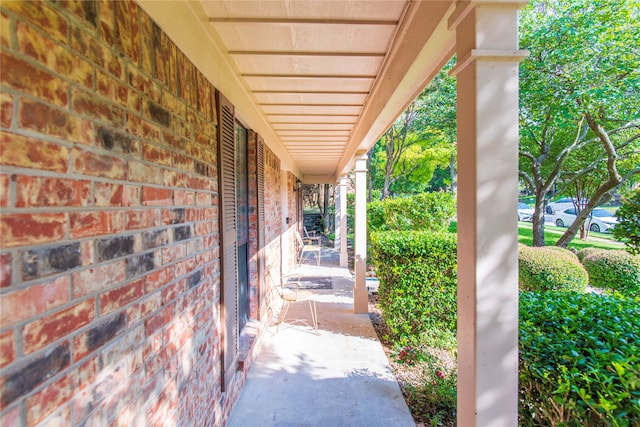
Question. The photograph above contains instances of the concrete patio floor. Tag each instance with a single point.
(340, 377)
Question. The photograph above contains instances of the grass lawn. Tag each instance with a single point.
(552, 234)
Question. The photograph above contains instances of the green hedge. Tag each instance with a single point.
(579, 360)
(425, 211)
(418, 280)
(585, 252)
(616, 270)
(550, 268)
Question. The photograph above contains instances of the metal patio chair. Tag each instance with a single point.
(289, 292)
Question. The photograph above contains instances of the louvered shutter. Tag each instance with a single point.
(228, 250)
(261, 258)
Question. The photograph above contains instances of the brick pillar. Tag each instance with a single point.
(487, 115)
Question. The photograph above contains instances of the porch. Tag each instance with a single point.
(340, 377)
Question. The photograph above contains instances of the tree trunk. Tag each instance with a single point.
(538, 220)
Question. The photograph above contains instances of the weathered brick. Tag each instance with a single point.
(41, 332)
(155, 154)
(182, 232)
(153, 239)
(24, 152)
(144, 308)
(22, 381)
(86, 373)
(97, 278)
(85, 10)
(7, 348)
(116, 141)
(158, 114)
(108, 194)
(114, 247)
(98, 164)
(203, 198)
(5, 30)
(25, 303)
(34, 191)
(157, 279)
(126, 33)
(31, 229)
(6, 269)
(44, 402)
(45, 119)
(131, 195)
(142, 128)
(55, 57)
(22, 76)
(6, 109)
(154, 196)
(10, 417)
(117, 298)
(140, 264)
(111, 88)
(85, 224)
(142, 218)
(141, 172)
(42, 16)
(50, 260)
(91, 105)
(97, 337)
(183, 197)
(173, 178)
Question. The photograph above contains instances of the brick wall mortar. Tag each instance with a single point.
(109, 222)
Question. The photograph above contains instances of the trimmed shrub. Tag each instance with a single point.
(579, 360)
(425, 211)
(563, 251)
(418, 281)
(550, 269)
(583, 253)
(615, 270)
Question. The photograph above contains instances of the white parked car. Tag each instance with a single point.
(562, 204)
(525, 212)
(600, 220)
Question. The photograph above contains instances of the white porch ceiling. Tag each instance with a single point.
(319, 80)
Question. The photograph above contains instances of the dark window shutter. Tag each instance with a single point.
(228, 254)
(261, 224)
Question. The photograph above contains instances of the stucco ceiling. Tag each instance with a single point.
(319, 80)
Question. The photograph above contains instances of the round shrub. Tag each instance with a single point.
(616, 270)
(585, 252)
(550, 269)
(562, 251)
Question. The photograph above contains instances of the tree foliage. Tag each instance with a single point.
(628, 228)
(406, 157)
(580, 91)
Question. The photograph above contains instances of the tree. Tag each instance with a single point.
(406, 157)
(579, 94)
(628, 228)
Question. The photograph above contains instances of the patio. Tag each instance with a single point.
(340, 377)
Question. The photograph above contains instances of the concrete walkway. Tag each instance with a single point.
(340, 377)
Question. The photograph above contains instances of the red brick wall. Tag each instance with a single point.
(109, 275)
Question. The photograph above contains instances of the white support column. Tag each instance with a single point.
(360, 294)
(487, 87)
(341, 222)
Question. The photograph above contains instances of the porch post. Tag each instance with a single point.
(341, 221)
(487, 115)
(360, 295)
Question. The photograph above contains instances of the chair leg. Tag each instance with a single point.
(314, 314)
(283, 316)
